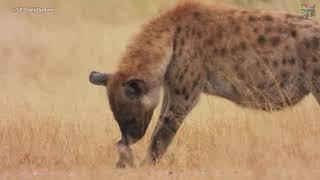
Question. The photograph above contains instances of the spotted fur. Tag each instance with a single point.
(258, 59)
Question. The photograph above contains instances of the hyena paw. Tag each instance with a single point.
(125, 157)
(120, 165)
(125, 163)
(148, 161)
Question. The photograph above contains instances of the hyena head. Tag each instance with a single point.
(131, 102)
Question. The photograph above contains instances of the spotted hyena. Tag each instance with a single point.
(258, 59)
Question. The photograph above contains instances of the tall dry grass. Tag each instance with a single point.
(52, 118)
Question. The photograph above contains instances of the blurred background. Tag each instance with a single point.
(51, 117)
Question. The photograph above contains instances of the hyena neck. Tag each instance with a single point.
(148, 55)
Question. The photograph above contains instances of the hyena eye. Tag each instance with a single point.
(135, 88)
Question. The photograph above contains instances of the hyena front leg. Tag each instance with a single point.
(176, 106)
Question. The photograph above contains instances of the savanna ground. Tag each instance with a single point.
(54, 124)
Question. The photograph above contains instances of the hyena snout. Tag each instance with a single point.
(132, 131)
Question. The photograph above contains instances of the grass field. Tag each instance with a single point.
(54, 124)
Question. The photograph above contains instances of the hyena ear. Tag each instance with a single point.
(99, 78)
(135, 88)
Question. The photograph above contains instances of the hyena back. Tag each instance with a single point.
(257, 59)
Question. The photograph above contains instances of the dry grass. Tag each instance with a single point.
(53, 123)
